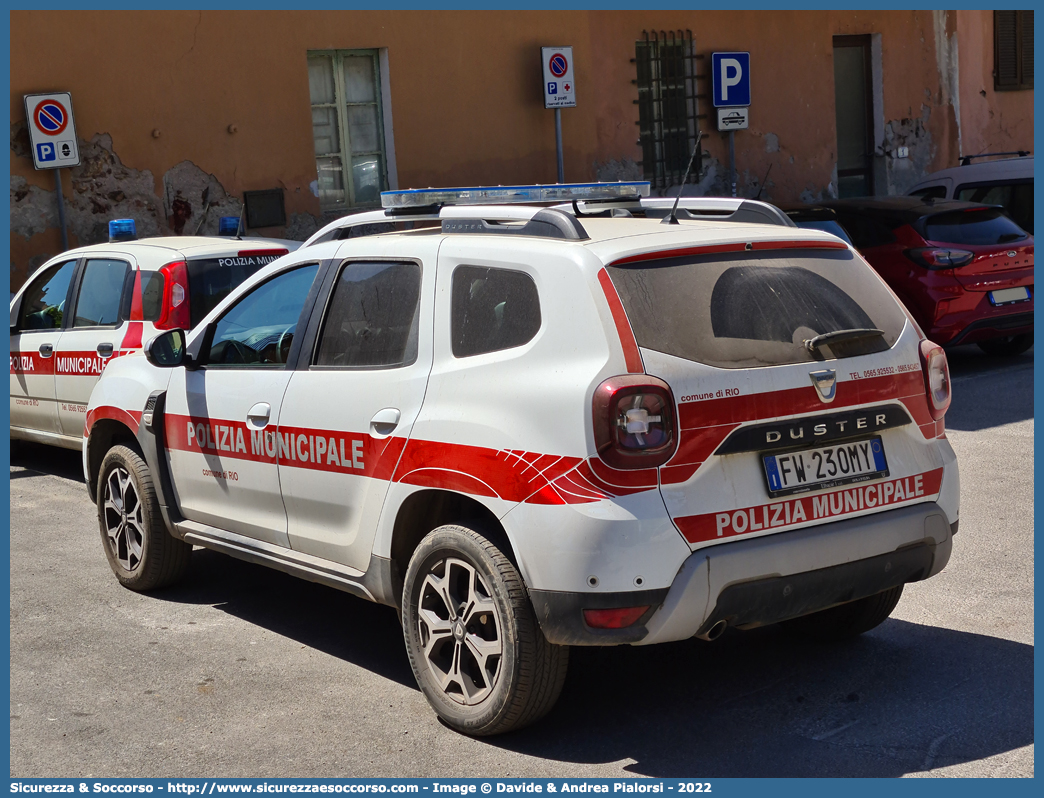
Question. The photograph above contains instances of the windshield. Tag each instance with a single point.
(745, 309)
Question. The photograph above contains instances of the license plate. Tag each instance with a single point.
(825, 467)
(1008, 295)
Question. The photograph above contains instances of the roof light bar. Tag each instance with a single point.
(496, 195)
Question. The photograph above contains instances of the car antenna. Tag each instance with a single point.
(672, 217)
(762, 186)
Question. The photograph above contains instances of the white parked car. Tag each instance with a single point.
(530, 429)
(1006, 181)
(88, 305)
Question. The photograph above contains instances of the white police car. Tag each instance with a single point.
(530, 428)
(117, 295)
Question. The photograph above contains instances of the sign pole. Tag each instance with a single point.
(61, 208)
(558, 144)
(732, 160)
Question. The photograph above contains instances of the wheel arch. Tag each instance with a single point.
(428, 509)
(104, 434)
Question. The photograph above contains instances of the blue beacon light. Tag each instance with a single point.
(122, 230)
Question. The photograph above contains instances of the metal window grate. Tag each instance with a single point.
(668, 109)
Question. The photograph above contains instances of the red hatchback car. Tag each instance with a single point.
(965, 270)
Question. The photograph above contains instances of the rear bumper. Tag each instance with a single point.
(750, 583)
(994, 327)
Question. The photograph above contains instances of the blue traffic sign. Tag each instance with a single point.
(45, 152)
(730, 75)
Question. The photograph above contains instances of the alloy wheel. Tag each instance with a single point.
(124, 524)
(460, 631)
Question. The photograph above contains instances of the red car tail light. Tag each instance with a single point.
(939, 257)
(175, 310)
(634, 421)
(936, 378)
(619, 618)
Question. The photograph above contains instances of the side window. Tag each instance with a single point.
(259, 329)
(43, 303)
(101, 292)
(372, 319)
(492, 309)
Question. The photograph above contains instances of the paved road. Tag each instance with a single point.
(243, 671)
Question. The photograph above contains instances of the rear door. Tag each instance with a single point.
(347, 415)
(774, 434)
(220, 418)
(36, 331)
(94, 332)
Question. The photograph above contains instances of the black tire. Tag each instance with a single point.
(846, 620)
(456, 566)
(141, 552)
(1008, 346)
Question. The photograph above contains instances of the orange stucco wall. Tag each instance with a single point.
(465, 96)
(991, 121)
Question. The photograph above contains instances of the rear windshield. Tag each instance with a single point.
(212, 279)
(746, 309)
(985, 227)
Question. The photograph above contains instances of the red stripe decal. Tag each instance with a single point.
(632, 357)
(821, 506)
(130, 418)
(623, 482)
(69, 364)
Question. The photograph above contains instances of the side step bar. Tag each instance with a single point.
(314, 569)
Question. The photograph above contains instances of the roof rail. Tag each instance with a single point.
(967, 159)
(717, 209)
(536, 221)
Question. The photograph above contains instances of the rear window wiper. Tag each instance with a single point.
(812, 344)
(1011, 237)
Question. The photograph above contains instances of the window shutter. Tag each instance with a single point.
(1013, 50)
(1006, 49)
(1026, 67)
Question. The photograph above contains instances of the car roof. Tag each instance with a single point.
(1005, 168)
(189, 246)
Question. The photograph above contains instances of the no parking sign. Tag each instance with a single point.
(559, 88)
(51, 130)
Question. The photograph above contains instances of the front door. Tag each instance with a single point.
(346, 419)
(220, 417)
(37, 328)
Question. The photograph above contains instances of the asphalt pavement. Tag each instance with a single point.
(241, 671)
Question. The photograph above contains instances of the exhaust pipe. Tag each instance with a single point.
(715, 631)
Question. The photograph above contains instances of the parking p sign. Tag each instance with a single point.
(730, 73)
(559, 88)
(51, 130)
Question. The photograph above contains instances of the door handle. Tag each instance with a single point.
(384, 421)
(46, 350)
(258, 415)
(105, 350)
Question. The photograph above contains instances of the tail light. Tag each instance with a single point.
(175, 310)
(618, 618)
(936, 378)
(939, 257)
(634, 421)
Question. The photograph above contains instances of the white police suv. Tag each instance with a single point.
(528, 428)
(94, 303)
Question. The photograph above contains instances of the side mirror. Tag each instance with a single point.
(167, 350)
